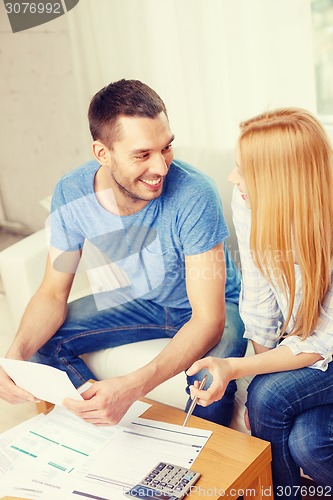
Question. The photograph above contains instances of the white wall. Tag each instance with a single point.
(39, 125)
(214, 63)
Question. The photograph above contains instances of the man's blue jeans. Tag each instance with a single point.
(86, 330)
(294, 411)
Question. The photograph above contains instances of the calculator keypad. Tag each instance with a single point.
(170, 480)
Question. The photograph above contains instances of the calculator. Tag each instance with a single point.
(165, 482)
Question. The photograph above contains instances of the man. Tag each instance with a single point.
(157, 223)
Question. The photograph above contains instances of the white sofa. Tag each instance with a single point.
(22, 267)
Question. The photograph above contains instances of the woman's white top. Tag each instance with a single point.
(263, 307)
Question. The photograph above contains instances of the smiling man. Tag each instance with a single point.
(153, 230)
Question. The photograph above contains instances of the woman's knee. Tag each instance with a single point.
(311, 443)
(262, 392)
(267, 401)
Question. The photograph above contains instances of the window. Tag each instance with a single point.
(322, 20)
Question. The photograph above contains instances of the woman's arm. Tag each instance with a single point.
(321, 340)
(223, 370)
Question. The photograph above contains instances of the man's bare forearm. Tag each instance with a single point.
(41, 319)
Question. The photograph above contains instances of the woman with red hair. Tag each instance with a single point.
(283, 215)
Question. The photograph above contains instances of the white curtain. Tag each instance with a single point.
(214, 62)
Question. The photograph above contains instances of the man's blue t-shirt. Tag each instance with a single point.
(146, 250)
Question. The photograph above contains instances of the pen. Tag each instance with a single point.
(194, 402)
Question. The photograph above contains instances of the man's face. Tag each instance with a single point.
(141, 157)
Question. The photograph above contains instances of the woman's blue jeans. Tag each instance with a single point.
(294, 411)
(87, 329)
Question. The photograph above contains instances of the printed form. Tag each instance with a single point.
(58, 455)
(78, 460)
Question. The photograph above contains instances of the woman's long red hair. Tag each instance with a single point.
(287, 163)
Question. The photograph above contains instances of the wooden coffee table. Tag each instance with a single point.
(232, 464)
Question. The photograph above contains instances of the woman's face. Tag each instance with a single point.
(237, 178)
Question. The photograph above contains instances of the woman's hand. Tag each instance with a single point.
(222, 371)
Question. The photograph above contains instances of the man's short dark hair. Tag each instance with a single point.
(121, 98)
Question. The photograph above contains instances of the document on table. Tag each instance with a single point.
(121, 464)
(63, 457)
(8, 455)
(44, 382)
(46, 449)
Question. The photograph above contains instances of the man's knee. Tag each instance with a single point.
(234, 322)
(232, 343)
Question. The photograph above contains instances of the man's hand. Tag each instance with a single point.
(222, 372)
(11, 393)
(106, 402)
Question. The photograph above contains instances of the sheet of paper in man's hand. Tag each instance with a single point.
(44, 382)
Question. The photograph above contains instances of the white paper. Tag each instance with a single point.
(9, 457)
(74, 459)
(46, 450)
(121, 464)
(44, 382)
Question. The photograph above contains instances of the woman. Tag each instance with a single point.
(283, 214)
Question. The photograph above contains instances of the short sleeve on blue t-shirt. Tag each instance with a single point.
(187, 219)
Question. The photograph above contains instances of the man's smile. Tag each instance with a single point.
(152, 183)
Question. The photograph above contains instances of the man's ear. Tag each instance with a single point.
(101, 153)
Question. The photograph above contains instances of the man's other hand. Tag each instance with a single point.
(106, 402)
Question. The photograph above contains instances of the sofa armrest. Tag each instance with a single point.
(22, 267)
